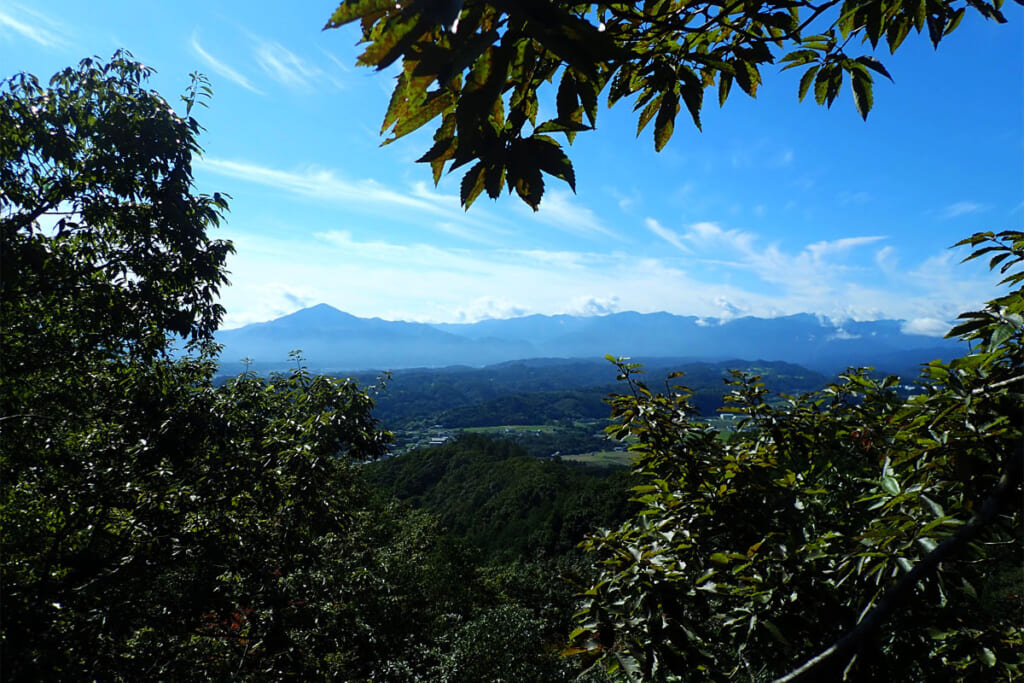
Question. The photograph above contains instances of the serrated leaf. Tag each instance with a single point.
(396, 38)
(530, 186)
(896, 32)
(437, 103)
(648, 113)
(874, 65)
(560, 126)
(551, 159)
(494, 178)
(860, 83)
(805, 82)
(350, 10)
(567, 100)
(724, 85)
(693, 97)
(798, 58)
(821, 84)
(472, 185)
(747, 76)
(664, 123)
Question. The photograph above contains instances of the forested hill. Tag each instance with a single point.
(541, 391)
(508, 504)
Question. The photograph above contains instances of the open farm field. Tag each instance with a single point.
(602, 458)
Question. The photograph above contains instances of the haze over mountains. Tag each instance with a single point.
(331, 340)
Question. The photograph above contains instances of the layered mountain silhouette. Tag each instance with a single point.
(331, 340)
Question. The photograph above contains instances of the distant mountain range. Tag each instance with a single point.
(331, 341)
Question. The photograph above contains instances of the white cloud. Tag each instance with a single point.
(221, 68)
(961, 208)
(325, 185)
(488, 308)
(558, 210)
(819, 250)
(929, 327)
(593, 306)
(885, 259)
(282, 65)
(33, 25)
(842, 334)
(729, 310)
(666, 234)
(430, 283)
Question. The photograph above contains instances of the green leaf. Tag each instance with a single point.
(560, 126)
(896, 32)
(890, 485)
(693, 97)
(805, 82)
(648, 113)
(399, 34)
(567, 100)
(747, 76)
(874, 65)
(472, 184)
(494, 178)
(724, 85)
(664, 123)
(821, 82)
(350, 10)
(798, 57)
(860, 83)
(530, 186)
(436, 104)
(551, 158)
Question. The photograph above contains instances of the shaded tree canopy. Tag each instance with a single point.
(104, 235)
(846, 534)
(158, 525)
(482, 66)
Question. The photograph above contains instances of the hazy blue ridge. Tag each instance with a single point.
(332, 340)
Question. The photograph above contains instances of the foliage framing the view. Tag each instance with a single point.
(159, 525)
(103, 234)
(482, 66)
(872, 536)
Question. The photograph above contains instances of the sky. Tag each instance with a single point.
(776, 207)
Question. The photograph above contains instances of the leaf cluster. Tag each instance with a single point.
(483, 67)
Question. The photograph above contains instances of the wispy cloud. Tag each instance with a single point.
(670, 236)
(820, 250)
(558, 210)
(33, 25)
(961, 208)
(371, 196)
(284, 66)
(221, 68)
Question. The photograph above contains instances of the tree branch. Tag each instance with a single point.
(843, 649)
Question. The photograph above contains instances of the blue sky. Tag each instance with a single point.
(777, 207)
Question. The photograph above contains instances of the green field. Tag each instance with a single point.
(602, 458)
(514, 428)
